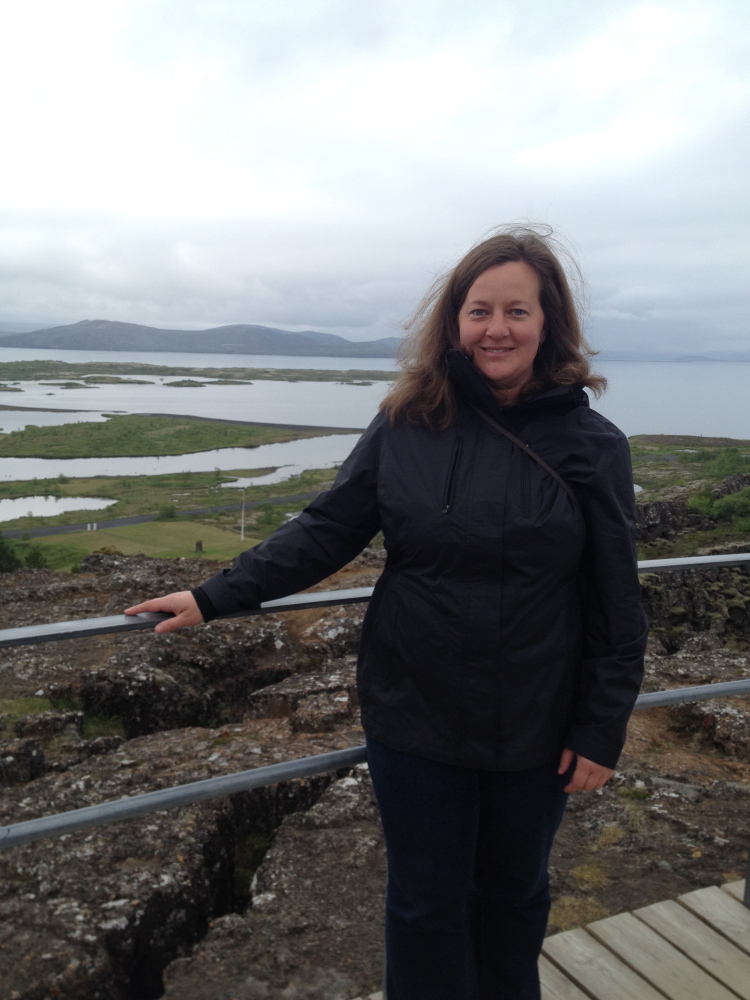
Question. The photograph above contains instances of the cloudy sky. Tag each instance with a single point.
(314, 163)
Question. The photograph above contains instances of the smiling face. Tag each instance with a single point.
(501, 325)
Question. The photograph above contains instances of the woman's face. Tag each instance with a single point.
(501, 325)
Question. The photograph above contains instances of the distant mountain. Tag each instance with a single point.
(19, 327)
(240, 338)
(611, 354)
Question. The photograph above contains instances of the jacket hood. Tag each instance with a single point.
(474, 389)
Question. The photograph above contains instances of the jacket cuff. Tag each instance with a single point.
(582, 745)
(205, 604)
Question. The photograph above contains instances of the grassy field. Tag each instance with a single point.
(136, 436)
(667, 467)
(151, 494)
(165, 539)
(670, 467)
(14, 371)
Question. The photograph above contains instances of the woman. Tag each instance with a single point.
(502, 649)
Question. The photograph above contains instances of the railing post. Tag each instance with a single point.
(746, 897)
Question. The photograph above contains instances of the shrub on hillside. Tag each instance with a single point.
(35, 558)
(733, 506)
(9, 561)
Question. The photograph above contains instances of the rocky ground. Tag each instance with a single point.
(278, 893)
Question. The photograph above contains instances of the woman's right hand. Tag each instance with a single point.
(182, 605)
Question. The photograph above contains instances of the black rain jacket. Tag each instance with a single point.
(507, 623)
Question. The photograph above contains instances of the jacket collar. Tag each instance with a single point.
(473, 388)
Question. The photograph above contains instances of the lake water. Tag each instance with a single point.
(289, 459)
(665, 397)
(16, 420)
(707, 398)
(48, 506)
(314, 404)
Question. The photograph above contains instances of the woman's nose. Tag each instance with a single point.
(497, 325)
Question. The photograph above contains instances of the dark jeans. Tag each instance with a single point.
(468, 888)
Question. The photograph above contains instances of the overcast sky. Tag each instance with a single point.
(314, 163)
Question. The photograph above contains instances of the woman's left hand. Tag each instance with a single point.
(587, 775)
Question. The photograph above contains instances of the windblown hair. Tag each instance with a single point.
(423, 392)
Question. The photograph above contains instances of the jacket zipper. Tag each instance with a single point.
(452, 479)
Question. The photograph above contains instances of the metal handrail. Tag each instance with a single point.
(198, 791)
(32, 634)
(177, 795)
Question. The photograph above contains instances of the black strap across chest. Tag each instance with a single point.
(532, 454)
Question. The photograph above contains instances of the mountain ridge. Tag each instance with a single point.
(235, 338)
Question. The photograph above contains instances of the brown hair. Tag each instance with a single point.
(423, 392)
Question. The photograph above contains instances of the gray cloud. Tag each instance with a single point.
(314, 165)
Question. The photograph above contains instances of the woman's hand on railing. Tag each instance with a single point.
(587, 774)
(182, 605)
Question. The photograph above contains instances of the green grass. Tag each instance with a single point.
(139, 436)
(163, 539)
(634, 794)
(18, 707)
(691, 542)
(671, 466)
(169, 538)
(102, 725)
(151, 494)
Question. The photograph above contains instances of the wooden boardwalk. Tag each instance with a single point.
(694, 948)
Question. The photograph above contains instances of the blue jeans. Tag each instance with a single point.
(468, 887)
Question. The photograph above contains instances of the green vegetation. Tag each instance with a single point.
(671, 467)
(731, 526)
(102, 725)
(69, 385)
(634, 794)
(248, 855)
(42, 370)
(149, 494)
(93, 725)
(136, 436)
(16, 708)
(14, 555)
(719, 463)
(167, 513)
(162, 539)
(9, 560)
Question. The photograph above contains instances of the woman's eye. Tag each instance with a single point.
(518, 312)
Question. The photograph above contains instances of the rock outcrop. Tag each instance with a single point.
(191, 903)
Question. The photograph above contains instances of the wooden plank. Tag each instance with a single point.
(556, 985)
(595, 969)
(735, 889)
(703, 945)
(656, 960)
(721, 911)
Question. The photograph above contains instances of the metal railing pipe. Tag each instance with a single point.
(296, 602)
(30, 634)
(211, 788)
(179, 795)
(692, 562)
(701, 692)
